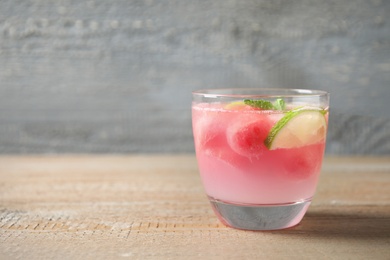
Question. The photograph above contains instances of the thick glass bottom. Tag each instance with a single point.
(260, 217)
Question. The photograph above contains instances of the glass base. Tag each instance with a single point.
(260, 217)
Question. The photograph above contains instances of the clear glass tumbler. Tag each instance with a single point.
(260, 152)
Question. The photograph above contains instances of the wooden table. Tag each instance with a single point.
(154, 207)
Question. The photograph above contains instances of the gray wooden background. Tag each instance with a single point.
(116, 76)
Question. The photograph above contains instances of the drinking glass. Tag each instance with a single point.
(259, 153)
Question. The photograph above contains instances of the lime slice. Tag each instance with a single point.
(297, 128)
(236, 105)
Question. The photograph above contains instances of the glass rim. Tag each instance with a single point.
(259, 92)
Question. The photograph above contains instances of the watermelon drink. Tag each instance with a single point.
(259, 153)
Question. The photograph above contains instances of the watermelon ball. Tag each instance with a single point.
(247, 134)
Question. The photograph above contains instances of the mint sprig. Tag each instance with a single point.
(262, 104)
(279, 104)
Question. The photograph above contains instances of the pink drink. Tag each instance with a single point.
(235, 165)
(259, 153)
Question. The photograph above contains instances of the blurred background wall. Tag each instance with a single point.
(116, 76)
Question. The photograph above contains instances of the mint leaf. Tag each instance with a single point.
(279, 104)
(262, 104)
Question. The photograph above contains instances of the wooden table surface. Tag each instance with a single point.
(154, 207)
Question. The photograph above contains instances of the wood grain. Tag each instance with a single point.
(154, 207)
